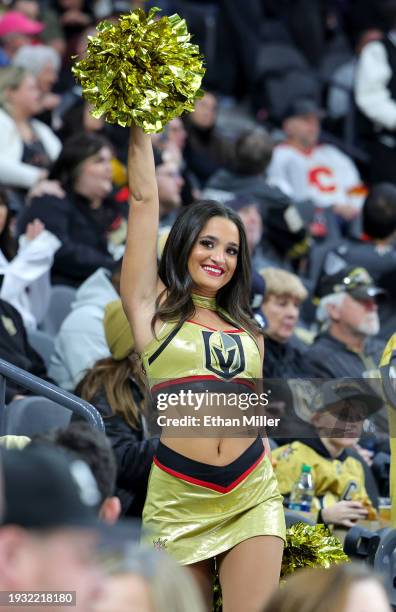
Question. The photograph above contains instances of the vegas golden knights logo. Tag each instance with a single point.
(224, 354)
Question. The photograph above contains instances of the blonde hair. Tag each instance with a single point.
(280, 282)
(11, 77)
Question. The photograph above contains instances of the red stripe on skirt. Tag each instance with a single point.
(209, 485)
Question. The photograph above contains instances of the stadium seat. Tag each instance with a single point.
(59, 307)
(32, 415)
(43, 343)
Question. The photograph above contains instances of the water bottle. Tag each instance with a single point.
(303, 491)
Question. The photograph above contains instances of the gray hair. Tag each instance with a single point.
(34, 57)
(322, 313)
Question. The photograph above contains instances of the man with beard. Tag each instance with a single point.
(347, 344)
(348, 312)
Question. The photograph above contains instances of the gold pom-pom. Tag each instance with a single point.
(141, 70)
(310, 546)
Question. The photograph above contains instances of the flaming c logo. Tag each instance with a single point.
(322, 178)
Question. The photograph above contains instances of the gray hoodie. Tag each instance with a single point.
(81, 340)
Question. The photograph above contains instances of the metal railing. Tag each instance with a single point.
(41, 387)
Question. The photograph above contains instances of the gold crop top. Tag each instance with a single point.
(194, 354)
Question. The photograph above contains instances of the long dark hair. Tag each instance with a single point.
(74, 152)
(173, 269)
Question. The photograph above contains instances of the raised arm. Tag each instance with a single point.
(139, 276)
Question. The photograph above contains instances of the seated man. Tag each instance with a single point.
(337, 412)
(305, 169)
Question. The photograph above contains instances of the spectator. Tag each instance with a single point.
(170, 145)
(16, 30)
(15, 348)
(150, 581)
(284, 228)
(338, 410)
(115, 386)
(284, 353)
(206, 150)
(348, 312)
(84, 218)
(47, 541)
(309, 170)
(340, 97)
(375, 93)
(374, 250)
(81, 339)
(170, 183)
(83, 442)
(28, 146)
(44, 62)
(24, 271)
(35, 9)
(283, 297)
(252, 155)
(345, 588)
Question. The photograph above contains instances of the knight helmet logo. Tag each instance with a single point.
(224, 354)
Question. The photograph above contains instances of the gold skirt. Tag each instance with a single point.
(194, 522)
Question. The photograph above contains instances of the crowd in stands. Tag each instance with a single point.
(296, 132)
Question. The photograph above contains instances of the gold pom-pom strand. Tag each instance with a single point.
(141, 70)
(310, 546)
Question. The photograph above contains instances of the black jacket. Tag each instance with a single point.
(134, 455)
(380, 263)
(333, 359)
(82, 231)
(15, 348)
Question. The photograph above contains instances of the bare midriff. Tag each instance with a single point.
(212, 451)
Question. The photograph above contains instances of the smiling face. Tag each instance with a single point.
(214, 256)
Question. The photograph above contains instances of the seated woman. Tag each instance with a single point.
(284, 353)
(28, 146)
(86, 218)
(24, 269)
(114, 385)
(284, 293)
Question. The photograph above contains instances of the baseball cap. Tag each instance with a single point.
(46, 489)
(117, 331)
(14, 22)
(301, 107)
(355, 281)
(332, 392)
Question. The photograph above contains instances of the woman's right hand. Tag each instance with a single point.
(34, 229)
(344, 513)
(45, 187)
